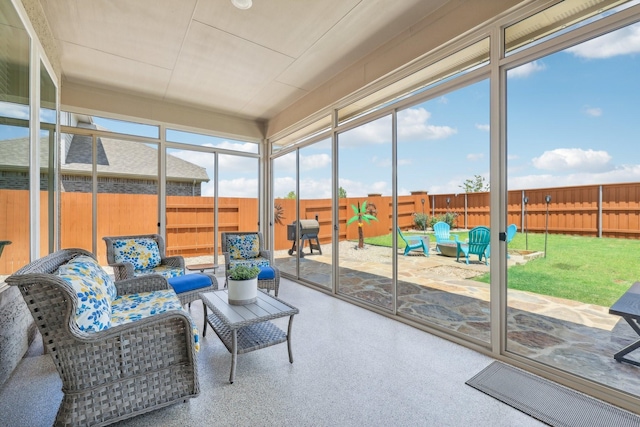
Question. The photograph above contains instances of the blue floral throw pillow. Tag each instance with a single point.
(244, 246)
(143, 252)
(89, 266)
(93, 312)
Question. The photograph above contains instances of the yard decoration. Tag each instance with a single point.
(361, 214)
(278, 213)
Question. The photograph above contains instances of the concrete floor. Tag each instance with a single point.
(351, 367)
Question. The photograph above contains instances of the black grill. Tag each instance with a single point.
(307, 231)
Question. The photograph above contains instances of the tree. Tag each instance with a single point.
(475, 185)
(361, 214)
(342, 193)
(291, 195)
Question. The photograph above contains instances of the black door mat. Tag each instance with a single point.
(547, 401)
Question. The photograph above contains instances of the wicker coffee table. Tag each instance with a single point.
(245, 328)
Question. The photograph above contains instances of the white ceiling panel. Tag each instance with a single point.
(91, 67)
(206, 53)
(367, 27)
(272, 99)
(288, 27)
(235, 69)
(149, 31)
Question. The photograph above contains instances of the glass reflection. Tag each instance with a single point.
(443, 151)
(238, 194)
(190, 205)
(568, 186)
(315, 210)
(14, 141)
(365, 171)
(48, 166)
(284, 215)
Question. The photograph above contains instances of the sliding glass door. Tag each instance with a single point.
(365, 176)
(572, 127)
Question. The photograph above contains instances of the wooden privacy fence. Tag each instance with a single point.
(611, 210)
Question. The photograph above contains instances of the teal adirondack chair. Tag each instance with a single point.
(479, 238)
(412, 243)
(442, 231)
(511, 232)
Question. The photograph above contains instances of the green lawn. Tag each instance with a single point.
(586, 269)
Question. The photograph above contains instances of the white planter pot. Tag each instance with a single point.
(243, 292)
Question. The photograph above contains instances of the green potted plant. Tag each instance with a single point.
(243, 284)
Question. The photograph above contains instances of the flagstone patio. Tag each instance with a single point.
(573, 336)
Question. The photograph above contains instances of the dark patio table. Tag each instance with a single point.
(628, 307)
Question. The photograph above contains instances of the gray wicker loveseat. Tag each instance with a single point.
(109, 372)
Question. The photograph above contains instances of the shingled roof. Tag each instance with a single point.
(116, 157)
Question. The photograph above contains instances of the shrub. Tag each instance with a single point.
(420, 220)
(449, 217)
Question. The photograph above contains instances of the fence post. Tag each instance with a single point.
(547, 199)
(600, 211)
(433, 205)
(466, 212)
(522, 208)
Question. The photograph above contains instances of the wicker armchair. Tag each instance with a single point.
(170, 267)
(116, 373)
(232, 257)
(125, 270)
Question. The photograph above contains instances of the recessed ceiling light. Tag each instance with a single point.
(242, 4)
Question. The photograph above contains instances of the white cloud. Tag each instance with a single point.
(412, 123)
(443, 100)
(283, 185)
(226, 162)
(246, 147)
(230, 163)
(362, 189)
(485, 128)
(562, 159)
(315, 188)
(376, 132)
(285, 164)
(314, 161)
(239, 187)
(474, 157)
(17, 111)
(625, 41)
(526, 70)
(625, 173)
(593, 112)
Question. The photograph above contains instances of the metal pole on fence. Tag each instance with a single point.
(547, 199)
(525, 200)
(424, 218)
